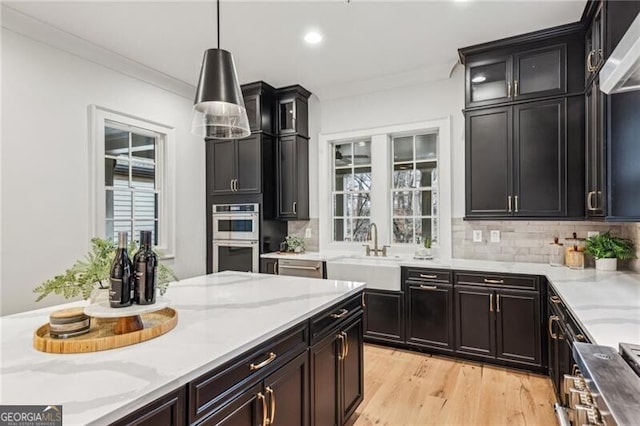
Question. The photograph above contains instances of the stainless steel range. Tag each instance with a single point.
(604, 388)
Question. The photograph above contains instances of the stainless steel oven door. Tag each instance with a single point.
(243, 256)
(236, 226)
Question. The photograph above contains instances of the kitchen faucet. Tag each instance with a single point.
(375, 248)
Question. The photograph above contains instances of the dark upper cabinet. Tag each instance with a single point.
(292, 155)
(594, 43)
(518, 326)
(235, 166)
(595, 165)
(384, 316)
(475, 323)
(498, 78)
(293, 111)
(259, 101)
(430, 315)
(516, 162)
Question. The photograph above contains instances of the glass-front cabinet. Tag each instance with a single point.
(520, 76)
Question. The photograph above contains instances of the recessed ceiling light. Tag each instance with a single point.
(313, 37)
(478, 79)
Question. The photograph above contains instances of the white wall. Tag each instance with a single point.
(433, 100)
(44, 164)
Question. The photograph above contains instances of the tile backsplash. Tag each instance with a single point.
(299, 228)
(526, 241)
(632, 231)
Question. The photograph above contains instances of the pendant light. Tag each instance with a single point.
(218, 110)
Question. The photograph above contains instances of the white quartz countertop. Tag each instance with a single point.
(219, 317)
(606, 304)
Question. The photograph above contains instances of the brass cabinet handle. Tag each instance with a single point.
(589, 202)
(267, 361)
(295, 204)
(272, 403)
(491, 302)
(552, 318)
(428, 287)
(364, 304)
(516, 202)
(346, 344)
(341, 352)
(508, 89)
(340, 314)
(509, 203)
(276, 268)
(498, 303)
(488, 281)
(600, 59)
(590, 67)
(429, 277)
(265, 419)
(555, 299)
(515, 88)
(231, 184)
(580, 337)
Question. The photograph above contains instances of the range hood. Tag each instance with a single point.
(621, 72)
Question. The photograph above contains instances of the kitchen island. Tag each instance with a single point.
(224, 319)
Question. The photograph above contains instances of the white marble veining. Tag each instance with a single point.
(220, 316)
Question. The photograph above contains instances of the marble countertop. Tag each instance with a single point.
(606, 304)
(220, 316)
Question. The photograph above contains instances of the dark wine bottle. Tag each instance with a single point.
(145, 263)
(121, 275)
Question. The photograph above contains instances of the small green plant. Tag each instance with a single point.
(81, 279)
(294, 242)
(606, 246)
(427, 242)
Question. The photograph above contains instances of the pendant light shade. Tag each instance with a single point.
(218, 110)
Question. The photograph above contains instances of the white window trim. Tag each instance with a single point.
(166, 214)
(381, 181)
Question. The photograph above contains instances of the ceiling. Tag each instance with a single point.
(367, 45)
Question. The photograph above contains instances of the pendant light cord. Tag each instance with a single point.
(218, 17)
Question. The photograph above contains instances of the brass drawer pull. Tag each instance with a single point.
(272, 401)
(555, 299)
(265, 418)
(341, 352)
(346, 344)
(553, 318)
(580, 337)
(267, 361)
(429, 277)
(340, 314)
(488, 281)
(428, 287)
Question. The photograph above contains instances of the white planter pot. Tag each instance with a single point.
(99, 295)
(607, 264)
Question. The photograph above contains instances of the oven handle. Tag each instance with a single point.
(226, 216)
(234, 243)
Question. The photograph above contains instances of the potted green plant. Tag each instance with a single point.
(295, 243)
(607, 249)
(91, 274)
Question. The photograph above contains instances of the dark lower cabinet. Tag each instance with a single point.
(167, 411)
(384, 316)
(287, 393)
(518, 327)
(247, 409)
(268, 266)
(430, 315)
(475, 322)
(337, 375)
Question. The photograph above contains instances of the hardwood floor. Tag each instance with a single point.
(409, 388)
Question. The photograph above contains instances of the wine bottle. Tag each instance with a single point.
(121, 270)
(145, 263)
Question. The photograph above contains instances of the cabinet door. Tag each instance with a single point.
(518, 327)
(539, 159)
(595, 151)
(430, 316)
(254, 114)
(249, 165)
(248, 409)
(384, 315)
(222, 161)
(268, 266)
(594, 45)
(488, 162)
(488, 81)
(287, 116)
(540, 72)
(352, 370)
(287, 177)
(287, 392)
(475, 325)
(168, 411)
(324, 382)
(553, 347)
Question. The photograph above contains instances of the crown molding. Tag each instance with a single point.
(58, 38)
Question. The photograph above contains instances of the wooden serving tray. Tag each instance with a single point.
(102, 336)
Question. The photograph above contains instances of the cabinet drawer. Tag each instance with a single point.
(213, 390)
(568, 323)
(427, 275)
(501, 280)
(324, 322)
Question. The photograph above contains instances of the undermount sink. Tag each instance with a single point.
(381, 273)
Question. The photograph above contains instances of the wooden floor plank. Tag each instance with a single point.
(409, 388)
